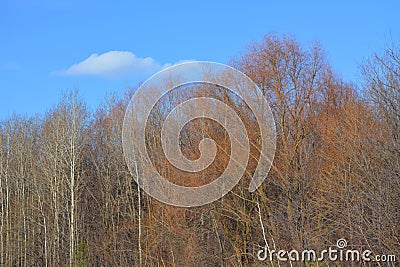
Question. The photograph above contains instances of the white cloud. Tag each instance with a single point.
(113, 64)
(11, 66)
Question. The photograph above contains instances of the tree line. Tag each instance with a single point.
(67, 197)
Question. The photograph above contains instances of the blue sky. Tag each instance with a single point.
(105, 46)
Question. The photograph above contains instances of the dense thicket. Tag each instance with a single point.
(67, 197)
